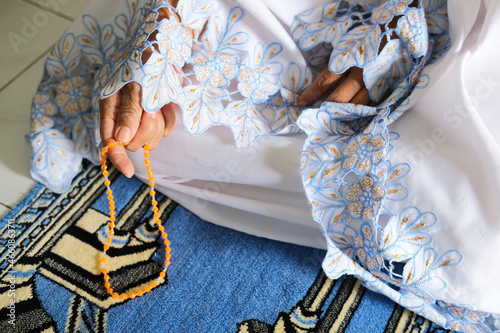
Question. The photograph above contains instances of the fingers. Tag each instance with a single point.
(346, 91)
(123, 119)
(129, 117)
(109, 109)
(168, 111)
(150, 128)
(120, 160)
(350, 90)
(362, 97)
(153, 127)
(321, 85)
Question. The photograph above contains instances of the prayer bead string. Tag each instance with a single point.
(112, 218)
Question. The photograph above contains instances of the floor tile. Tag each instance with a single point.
(16, 97)
(27, 32)
(14, 126)
(3, 211)
(69, 8)
(15, 153)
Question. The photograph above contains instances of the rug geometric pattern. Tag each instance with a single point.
(220, 280)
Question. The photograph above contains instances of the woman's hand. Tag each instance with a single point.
(351, 90)
(123, 119)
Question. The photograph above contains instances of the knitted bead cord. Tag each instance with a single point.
(112, 219)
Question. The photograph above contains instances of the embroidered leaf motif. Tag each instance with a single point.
(283, 108)
(356, 48)
(324, 32)
(349, 111)
(246, 122)
(337, 263)
(82, 137)
(344, 239)
(193, 13)
(325, 134)
(99, 41)
(54, 159)
(420, 272)
(388, 70)
(128, 23)
(62, 60)
(229, 37)
(394, 186)
(436, 16)
(201, 110)
(405, 235)
(162, 83)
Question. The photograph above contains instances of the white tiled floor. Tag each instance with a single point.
(69, 9)
(29, 30)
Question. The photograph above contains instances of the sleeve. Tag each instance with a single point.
(171, 46)
(101, 52)
(391, 42)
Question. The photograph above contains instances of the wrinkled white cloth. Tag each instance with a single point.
(432, 245)
(450, 138)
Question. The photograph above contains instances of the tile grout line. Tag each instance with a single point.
(66, 17)
(48, 9)
(6, 206)
(27, 67)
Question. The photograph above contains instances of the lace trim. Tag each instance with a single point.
(225, 83)
(351, 34)
(231, 81)
(345, 166)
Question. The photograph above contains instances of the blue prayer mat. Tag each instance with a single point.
(219, 280)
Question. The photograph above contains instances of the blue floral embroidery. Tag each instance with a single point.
(362, 36)
(348, 177)
(41, 112)
(405, 234)
(233, 81)
(54, 159)
(413, 32)
(282, 107)
(215, 69)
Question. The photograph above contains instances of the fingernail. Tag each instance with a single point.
(123, 134)
(128, 172)
(153, 115)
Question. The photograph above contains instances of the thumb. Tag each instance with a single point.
(129, 116)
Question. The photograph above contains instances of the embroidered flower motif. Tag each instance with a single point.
(175, 41)
(469, 320)
(74, 95)
(41, 110)
(364, 198)
(216, 69)
(385, 12)
(254, 85)
(366, 248)
(413, 30)
(364, 152)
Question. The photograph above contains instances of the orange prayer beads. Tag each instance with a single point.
(112, 218)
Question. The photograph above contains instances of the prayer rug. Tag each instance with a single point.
(220, 280)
